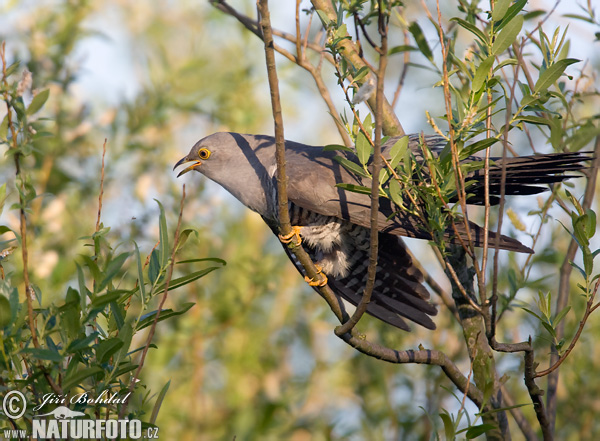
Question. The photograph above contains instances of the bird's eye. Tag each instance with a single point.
(203, 153)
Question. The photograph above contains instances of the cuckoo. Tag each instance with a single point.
(334, 224)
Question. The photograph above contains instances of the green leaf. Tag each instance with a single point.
(38, 101)
(482, 73)
(204, 259)
(508, 35)
(398, 151)
(125, 335)
(176, 283)
(538, 120)
(360, 74)
(477, 147)
(4, 128)
(354, 188)
(101, 301)
(553, 73)
(511, 13)
(449, 430)
(5, 312)
(126, 368)
(476, 431)
(159, 400)
(324, 18)
(471, 28)
(140, 268)
(112, 270)
(401, 48)
(82, 343)
(148, 319)
(500, 8)
(164, 236)
(153, 267)
(43, 354)
(395, 192)
(419, 37)
(363, 148)
(351, 166)
(78, 376)
(561, 315)
(335, 147)
(106, 348)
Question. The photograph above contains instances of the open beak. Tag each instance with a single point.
(185, 160)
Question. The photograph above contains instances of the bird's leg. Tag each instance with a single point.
(287, 238)
(317, 281)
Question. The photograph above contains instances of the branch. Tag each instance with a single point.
(391, 124)
(423, 356)
(169, 276)
(564, 285)
(589, 308)
(299, 59)
(536, 395)
(361, 308)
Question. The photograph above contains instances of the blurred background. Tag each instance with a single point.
(256, 357)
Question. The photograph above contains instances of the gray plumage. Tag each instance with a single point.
(335, 223)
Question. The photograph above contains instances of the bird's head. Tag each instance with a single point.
(210, 154)
(235, 161)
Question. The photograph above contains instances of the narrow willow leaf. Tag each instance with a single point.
(334, 147)
(354, 188)
(363, 148)
(163, 247)
(538, 120)
(77, 377)
(351, 166)
(421, 41)
(401, 48)
(140, 268)
(553, 73)
(508, 35)
(476, 431)
(398, 151)
(106, 349)
(477, 147)
(471, 28)
(482, 73)
(159, 400)
(43, 354)
(148, 319)
(500, 8)
(324, 18)
(38, 101)
(511, 13)
(5, 312)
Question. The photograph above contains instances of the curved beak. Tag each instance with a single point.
(182, 161)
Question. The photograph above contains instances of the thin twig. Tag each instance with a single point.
(169, 276)
(589, 309)
(361, 308)
(564, 284)
(22, 218)
(101, 187)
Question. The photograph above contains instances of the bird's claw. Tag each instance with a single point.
(317, 281)
(287, 238)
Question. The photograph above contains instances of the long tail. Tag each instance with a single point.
(526, 175)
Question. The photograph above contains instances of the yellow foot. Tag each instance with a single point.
(320, 281)
(287, 238)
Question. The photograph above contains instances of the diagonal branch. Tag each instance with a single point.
(354, 339)
(564, 285)
(377, 164)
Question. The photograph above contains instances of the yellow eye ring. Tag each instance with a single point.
(203, 153)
